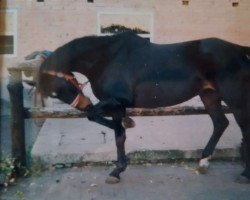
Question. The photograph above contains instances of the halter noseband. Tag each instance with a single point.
(72, 80)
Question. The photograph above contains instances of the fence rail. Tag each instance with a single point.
(72, 113)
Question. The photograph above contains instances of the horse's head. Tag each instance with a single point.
(63, 86)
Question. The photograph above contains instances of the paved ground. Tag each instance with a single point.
(145, 182)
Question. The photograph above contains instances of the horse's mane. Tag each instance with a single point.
(63, 56)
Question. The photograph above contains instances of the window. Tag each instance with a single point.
(185, 2)
(8, 32)
(235, 4)
(113, 22)
(6, 44)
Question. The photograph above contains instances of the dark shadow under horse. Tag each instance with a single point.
(127, 71)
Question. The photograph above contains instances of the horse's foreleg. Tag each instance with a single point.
(118, 112)
(212, 103)
(94, 116)
(97, 112)
(120, 137)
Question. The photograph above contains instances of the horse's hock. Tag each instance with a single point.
(74, 141)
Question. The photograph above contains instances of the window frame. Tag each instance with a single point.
(11, 33)
(126, 12)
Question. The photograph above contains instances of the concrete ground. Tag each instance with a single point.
(144, 182)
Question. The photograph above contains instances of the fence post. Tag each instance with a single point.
(15, 89)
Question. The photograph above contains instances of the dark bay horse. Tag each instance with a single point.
(127, 71)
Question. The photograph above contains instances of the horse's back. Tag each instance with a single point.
(154, 75)
(171, 74)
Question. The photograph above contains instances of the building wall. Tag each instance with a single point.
(49, 24)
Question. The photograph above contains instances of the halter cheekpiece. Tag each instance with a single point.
(72, 79)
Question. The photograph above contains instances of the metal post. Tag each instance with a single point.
(15, 88)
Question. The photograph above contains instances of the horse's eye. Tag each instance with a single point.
(53, 94)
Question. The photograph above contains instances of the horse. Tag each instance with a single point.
(128, 71)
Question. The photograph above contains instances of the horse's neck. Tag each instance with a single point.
(93, 66)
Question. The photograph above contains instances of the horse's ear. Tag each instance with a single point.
(32, 55)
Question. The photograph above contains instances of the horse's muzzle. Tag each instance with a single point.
(83, 103)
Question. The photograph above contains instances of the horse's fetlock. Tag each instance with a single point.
(122, 166)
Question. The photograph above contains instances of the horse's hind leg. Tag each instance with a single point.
(242, 116)
(245, 176)
(212, 103)
(241, 112)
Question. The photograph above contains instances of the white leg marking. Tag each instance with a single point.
(204, 162)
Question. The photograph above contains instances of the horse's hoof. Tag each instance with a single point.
(203, 165)
(127, 122)
(202, 169)
(242, 180)
(112, 180)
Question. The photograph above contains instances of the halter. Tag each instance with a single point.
(72, 80)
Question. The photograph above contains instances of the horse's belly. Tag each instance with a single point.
(162, 94)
